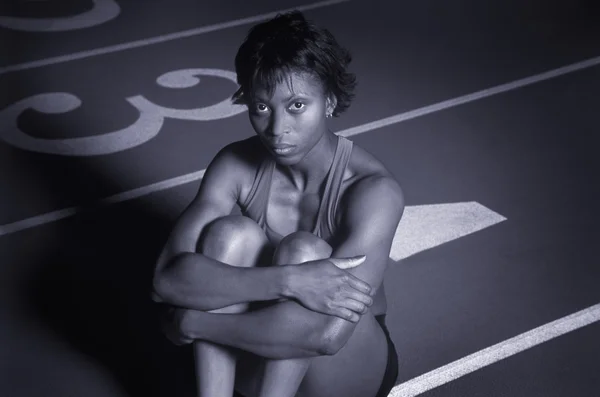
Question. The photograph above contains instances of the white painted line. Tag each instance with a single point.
(495, 353)
(60, 214)
(436, 107)
(102, 12)
(117, 198)
(160, 39)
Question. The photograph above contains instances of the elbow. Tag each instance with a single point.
(334, 337)
(158, 288)
(161, 286)
(330, 345)
(168, 284)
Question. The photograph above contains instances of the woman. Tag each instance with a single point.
(323, 210)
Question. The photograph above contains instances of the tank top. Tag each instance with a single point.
(255, 205)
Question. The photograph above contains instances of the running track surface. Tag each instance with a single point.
(487, 115)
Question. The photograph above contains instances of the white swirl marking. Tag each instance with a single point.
(187, 78)
(146, 127)
(102, 12)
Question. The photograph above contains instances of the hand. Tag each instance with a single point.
(325, 286)
(172, 325)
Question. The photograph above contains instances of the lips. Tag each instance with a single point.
(281, 148)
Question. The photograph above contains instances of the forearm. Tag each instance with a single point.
(282, 331)
(198, 282)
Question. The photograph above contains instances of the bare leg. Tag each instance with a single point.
(237, 241)
(355, 371)
(283, 377)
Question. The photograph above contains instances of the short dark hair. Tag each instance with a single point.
(289, 43)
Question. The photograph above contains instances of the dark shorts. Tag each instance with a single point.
(391, 370)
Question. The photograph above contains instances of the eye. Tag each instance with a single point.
(260, 108)
(297, 106)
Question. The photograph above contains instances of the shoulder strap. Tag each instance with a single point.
(256, 201)
(326, 217)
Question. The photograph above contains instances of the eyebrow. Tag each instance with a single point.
(287, 99)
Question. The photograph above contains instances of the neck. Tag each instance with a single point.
(309, 173)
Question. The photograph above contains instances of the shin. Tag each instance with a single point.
(237, 241)
(282, 378)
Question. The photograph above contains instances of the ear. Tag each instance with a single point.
(330, 104)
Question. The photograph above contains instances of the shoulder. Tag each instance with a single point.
(239, 157)
(236, 163)
(371, 188)
(247, 151)
(367, 175)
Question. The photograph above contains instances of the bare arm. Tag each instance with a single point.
(191, 280)
(185, 278)
(372, 212)
(288, 330)
(278, 331)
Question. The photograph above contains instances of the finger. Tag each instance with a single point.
(358, 284)
(356, 306)
(346, 314)
(365, 299)
(348, 263)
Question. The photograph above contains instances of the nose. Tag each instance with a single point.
(279, 124)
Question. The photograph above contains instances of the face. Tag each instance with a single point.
(291, 121)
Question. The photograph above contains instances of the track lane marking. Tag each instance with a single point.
(194, 176)
(160, 39)
(497, 352)
(499, 89)
(52, 216)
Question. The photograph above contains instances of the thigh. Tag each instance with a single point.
(357, 370)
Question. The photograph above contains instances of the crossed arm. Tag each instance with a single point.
(371, 212)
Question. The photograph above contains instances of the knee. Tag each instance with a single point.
(301, 247)
(232, 236)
